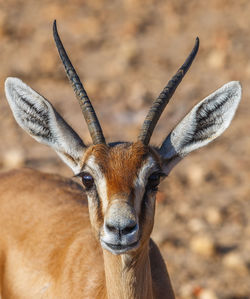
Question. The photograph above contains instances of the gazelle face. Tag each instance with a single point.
(121, 179)
(121, 182)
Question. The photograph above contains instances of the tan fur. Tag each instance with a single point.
(48, 249)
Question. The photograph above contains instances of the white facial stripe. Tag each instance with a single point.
(93, 168)
(147, 168)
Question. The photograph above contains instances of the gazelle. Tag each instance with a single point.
(48, 246)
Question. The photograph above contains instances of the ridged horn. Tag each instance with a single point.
(88, 111)
(164, 97)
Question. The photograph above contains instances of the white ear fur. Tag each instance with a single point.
(206, 121)
(39, 119)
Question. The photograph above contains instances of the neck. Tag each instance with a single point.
(128, 275)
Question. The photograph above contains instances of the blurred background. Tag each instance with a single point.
(125, 52)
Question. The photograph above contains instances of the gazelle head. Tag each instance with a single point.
(121, 179)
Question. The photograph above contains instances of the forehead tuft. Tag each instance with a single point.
(119, 155)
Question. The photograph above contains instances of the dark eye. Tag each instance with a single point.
(153, 181)
(87, 180)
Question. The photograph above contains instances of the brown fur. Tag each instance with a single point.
(48, 249)
(120, 164)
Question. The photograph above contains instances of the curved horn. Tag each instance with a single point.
(85, 104)
(164, 97)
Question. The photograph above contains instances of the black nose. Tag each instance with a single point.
(125, 227)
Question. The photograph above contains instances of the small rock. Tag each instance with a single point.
(183, 209)
(216, 59)
(186, 291)
(213, 216)
(203, 245)
(13, 158)
(196, 175)
(196, 225)
(235, 261)
(207, 294)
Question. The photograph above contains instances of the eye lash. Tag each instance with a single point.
(77, 175)
(83, 170)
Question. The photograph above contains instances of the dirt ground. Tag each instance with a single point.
(125, 52)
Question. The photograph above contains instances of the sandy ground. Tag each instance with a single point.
(125, 52)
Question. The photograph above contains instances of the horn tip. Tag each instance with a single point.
(197, 43)
(54, 26)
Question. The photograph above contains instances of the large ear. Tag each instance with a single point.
(38, 118)
(202, 124)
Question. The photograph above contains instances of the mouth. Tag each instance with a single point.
(119, 248)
